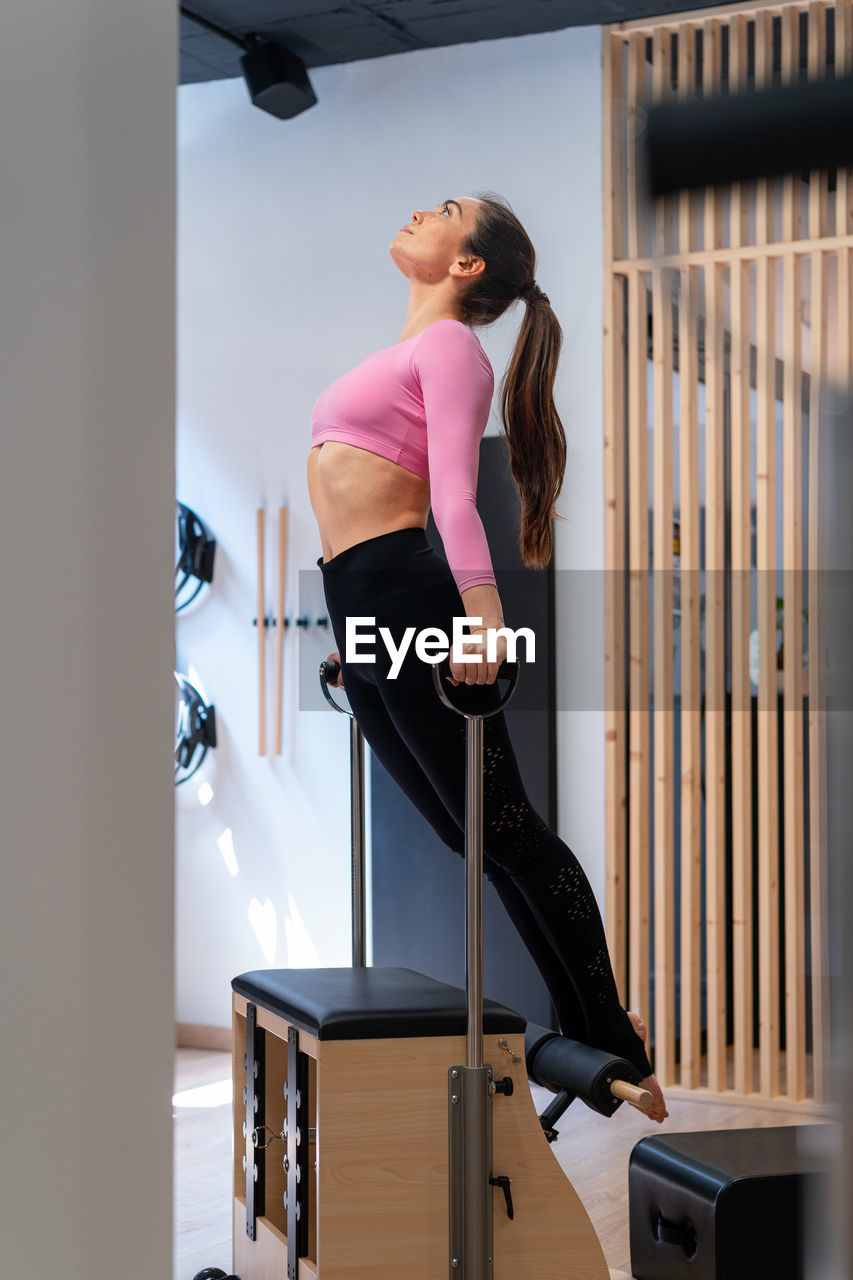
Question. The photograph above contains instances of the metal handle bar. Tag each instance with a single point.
(506, 671)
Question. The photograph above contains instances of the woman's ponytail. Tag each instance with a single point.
(534, 432)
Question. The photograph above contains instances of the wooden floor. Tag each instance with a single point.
(593, 1150)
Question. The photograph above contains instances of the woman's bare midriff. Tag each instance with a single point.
(357, 495)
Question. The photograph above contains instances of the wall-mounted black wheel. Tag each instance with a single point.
(212, 1273)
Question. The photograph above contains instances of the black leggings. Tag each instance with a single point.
(397, 579)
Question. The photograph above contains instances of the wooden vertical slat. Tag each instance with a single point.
(715, 610)
(614, 519)
(765, 232)
(662, 534)
(634, 99)
(664, 833)
(639, 766)
(712, 57)
(841, 361)
(768, 818)
(794, 790)
(844, 201)
(715, 681)
(738, 73)
(791, 183)
(817, 71)
(691, 692)
(742, 887)
(843, 67)
(819, 897)
(661, 92)
(686, 89)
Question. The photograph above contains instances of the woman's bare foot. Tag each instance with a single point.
(658, 1111)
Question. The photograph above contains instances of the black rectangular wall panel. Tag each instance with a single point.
(418, 898)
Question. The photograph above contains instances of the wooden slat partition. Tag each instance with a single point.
(715, 612)
(615, 715)
(792, 640)
(818, 887)
(662, 559)
(639, 727)
(664, 832)
(691, 684)
(741, 607)
(749, 269)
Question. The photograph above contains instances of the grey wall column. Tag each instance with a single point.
(87, 395)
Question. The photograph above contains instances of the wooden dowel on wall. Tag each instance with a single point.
(262, 640)
(279, 665)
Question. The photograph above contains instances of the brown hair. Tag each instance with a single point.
(534, 432)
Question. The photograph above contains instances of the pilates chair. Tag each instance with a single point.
(383, 1123)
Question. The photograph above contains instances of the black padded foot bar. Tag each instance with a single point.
(578, 1070)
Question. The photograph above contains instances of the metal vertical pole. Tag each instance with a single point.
(474, 889)
(357, 807)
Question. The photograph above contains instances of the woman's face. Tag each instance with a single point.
(429, 247)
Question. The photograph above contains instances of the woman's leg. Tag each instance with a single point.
(543, 886)
(392, 751)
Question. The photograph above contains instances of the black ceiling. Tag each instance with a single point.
(323, 32)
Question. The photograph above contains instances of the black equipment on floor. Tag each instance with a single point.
(721, 1205)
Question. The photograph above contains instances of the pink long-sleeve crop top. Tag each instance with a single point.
(424, 403)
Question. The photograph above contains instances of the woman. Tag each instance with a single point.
(396, 435)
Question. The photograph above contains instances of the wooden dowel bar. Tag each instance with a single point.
(741, 557)
(691, 693)
(715, 683)
(279, 646)
(768, 821)
(664, 740)
(632, 1093)
(262, 639)
(792, 647)
(639, 728)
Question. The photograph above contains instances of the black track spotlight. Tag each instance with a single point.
(276, 79)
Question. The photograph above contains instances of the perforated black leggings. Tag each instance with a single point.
(398, 579)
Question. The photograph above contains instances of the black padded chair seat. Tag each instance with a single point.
(368, 1004)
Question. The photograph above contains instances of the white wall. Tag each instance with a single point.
(285, 283)
(87, 401)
